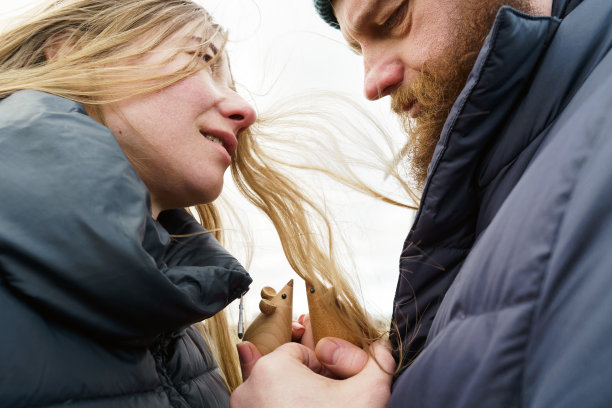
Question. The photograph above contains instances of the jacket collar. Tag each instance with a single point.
(449, 205)
(493, 121)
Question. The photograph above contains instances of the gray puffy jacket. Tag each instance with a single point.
(96, 299)
(504, 292)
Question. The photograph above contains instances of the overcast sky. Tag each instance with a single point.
(280, 48)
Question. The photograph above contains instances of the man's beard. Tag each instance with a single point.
(441, 81)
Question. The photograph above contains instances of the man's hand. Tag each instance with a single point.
(293, 375)
(301, 332)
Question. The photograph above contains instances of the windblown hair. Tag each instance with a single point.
(97, 68)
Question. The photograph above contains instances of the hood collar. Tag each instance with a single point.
(510, 52)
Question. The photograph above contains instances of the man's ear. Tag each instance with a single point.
(59, 44)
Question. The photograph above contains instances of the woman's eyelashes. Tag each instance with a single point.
(206, 56)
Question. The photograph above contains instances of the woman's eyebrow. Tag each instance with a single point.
(200, 40)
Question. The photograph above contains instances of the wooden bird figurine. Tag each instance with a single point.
(325, 324)
(273, 326)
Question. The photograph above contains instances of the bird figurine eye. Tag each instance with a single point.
(284, 296)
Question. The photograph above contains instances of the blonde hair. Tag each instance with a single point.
(99, 36)
(304, 134)
(98, 62)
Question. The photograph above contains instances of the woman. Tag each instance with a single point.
(111, 113)
(113, 117)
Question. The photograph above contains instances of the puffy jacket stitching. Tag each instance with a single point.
(168, 386)
(208, 368)
(517, 303)
(538, 306)
(190, 380)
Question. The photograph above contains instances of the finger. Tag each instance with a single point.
(300, 353)
(297, 331)
(248, 354)
(380, 365)
(383, 358)
(307, 338)
(340, 357)
(372, 385)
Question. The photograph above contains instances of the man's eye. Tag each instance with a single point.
(396, 18)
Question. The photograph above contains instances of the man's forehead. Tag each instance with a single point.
(357, 14)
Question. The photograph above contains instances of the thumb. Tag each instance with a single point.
(249, 355)
(375, 377)
(340, 357)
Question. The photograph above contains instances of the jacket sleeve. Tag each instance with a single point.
(569, 360)
(77, 241)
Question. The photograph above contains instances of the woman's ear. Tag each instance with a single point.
(59, 44)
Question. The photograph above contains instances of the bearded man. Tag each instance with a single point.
(503, 293)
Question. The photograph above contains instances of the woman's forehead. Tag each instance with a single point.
(204, 32)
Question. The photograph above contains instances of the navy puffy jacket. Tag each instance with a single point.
(504, 296)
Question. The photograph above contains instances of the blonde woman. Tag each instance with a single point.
(114, 116)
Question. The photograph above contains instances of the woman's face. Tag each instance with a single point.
(181, 139)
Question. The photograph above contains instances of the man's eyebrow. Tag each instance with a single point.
(367, 11)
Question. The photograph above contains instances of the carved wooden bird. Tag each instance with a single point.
(273, 326)
(325, 324)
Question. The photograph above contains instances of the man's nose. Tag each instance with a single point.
(381, 77)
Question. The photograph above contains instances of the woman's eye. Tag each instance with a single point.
(205, 56)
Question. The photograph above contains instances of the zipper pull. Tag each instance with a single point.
(241, 318)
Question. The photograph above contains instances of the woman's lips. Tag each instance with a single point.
(227, 140)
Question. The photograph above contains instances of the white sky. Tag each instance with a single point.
(279, 48)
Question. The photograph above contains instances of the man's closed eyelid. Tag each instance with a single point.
(395, 19)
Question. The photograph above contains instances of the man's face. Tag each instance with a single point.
(419, 52)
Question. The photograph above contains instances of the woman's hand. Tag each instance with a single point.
(301, 331)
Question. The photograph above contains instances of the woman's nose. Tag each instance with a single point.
(239, 111)
(381, 77)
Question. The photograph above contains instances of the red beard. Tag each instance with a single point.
(441, 81)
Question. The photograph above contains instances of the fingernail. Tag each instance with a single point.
(244, 352)
(301, 319)
(328, 351)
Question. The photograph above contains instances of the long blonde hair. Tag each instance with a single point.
(311, 134)
(99, 34)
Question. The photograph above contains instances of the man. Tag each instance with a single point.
(503, 295)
